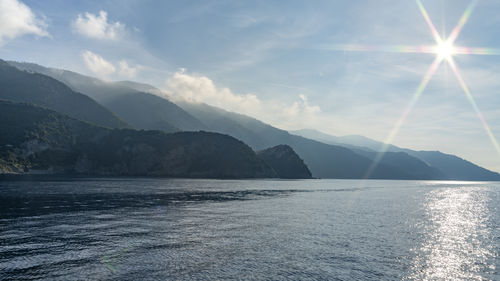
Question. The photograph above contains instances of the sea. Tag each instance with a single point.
(185, 229)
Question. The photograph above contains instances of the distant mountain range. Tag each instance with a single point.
(446, 165)
(324, 160)
(142, 106)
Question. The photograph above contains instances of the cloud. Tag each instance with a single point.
(201, 89)
(98, 64)
(301, 107)
(97, 26)
(127, 70)
(105, 69)
(17, 19)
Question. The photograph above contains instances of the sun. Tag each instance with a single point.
(445, 50)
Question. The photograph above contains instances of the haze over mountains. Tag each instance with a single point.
(140, 106)
(140, 109)
(450, 166)
(45, 91)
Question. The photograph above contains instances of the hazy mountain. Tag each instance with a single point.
(285, 162)
(42, 90)
(455, 167)
(150, 112)
(324, 160)
(414, 167)
(36, 138)
(97, 89)
(126, 99)
(141, 87)
(354, 141)
(449, 166)
(326, 156)
(219, 120)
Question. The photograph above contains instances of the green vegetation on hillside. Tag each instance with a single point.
(34, 138)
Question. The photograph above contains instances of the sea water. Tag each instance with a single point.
(180, 229)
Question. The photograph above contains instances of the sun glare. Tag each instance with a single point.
(445, 50)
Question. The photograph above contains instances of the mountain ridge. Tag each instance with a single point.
(36, 138)
(454, 167)
(22, 86)
(140, 109)
(326, 156)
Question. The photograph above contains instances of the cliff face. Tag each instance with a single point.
(33, 138)
(285, 162)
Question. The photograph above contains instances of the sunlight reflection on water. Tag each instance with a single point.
(455, 244)
(157, 229)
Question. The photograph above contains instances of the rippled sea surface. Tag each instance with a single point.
(162, 229)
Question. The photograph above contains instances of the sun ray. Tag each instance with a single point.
(444, 51)
(463, 20)
(434, 31)
(383, 48)
(476, 51)
(474, 105)
(421, 87)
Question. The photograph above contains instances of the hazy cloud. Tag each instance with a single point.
(202, 89)
(98, 27)
(127, 70)
(301, 107)
(106, 69)
(17, 19)
(98, 64)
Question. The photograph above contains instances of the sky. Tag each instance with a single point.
(286, 63)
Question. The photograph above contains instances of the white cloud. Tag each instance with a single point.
(98, 64)
(17, 19)
(105, 69)
(301, 107)
(201, 89)
(97, 26)
(127, 70)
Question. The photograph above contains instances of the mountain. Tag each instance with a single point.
(96, 89)
(42, 90)
(219, 120)
(413, 167)
(35, 138)
(324, 160)
(455, 167)
(326, 156)
(446, 166)
(285, 162)
(141, 87)
(184, 154)
(140, 109)
(351, 141)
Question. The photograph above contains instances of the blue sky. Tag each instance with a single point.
(277, 61)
